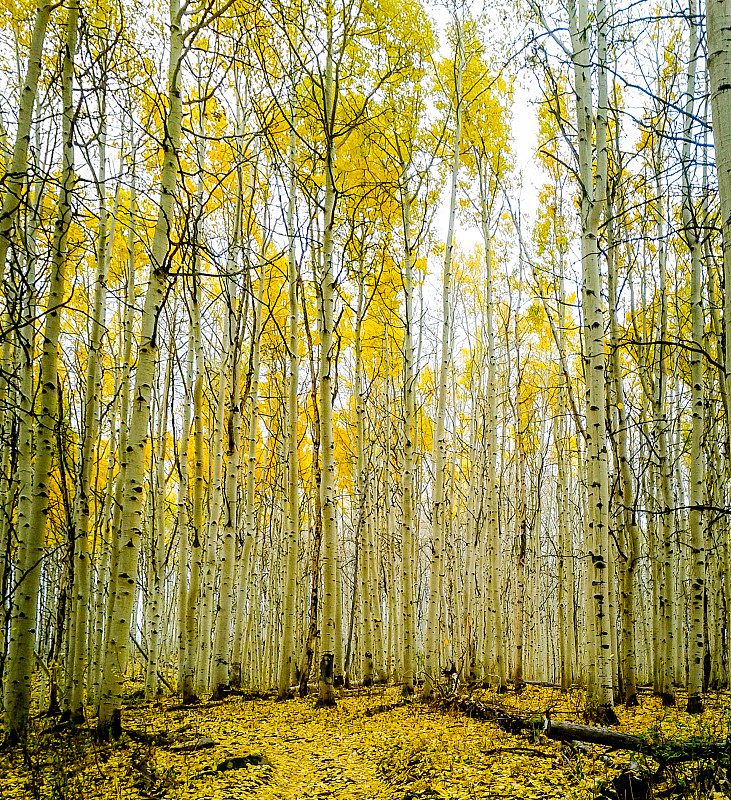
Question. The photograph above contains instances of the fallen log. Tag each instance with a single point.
(568, 731)
(663, 752)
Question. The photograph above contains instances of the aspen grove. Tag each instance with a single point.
(315, 372)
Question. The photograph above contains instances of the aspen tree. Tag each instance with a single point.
(103, 536)
(521, 514)
(713, 488)
(192, 633)
(660, 433)
(207, 619)
(565, 578)
(246, 577)
(593, 176)
(497, 663)
(395, 620)
(16, 174)
(156, 531)
(696, 642)
(718, 60)
(82, 570)
(220, 676)
(564, 663)
(248, 552)
(182, 510)
(32, 537)
(374, 591)
(287, 660)
(315, 513)
(24, 470)
(361, 580)
(629, 534)
(433, 629)
(326, 301)
(473, 538)
(191, 618)
(409, 435)
(124, 391)
(17, 354)
(132, 515)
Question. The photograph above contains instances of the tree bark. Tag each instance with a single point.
(287, 661)
(132, 515)
(593, 176)
(32, 538)
(696, 640)
(434, 620)
(17, 173)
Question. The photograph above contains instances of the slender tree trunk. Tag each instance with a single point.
(521, 524)
(196, 548)
(328, 631)
(17, 172)
(661, 425)
(132, 515)
(156, 531)
(32, 536)
(248, 553)
(221, 677)
(316, 517)
(630, 534)
(433, 625)
(408, 609)
(183, 526)
(92, 399)
(124, 392)
(718, 24)
(26, 418)
(593, 175)
(287, 662)
(696, 643)
(497, 663)
(207, 620)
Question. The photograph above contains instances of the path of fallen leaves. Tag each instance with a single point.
(293, 751)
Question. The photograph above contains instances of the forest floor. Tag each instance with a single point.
(365, 748)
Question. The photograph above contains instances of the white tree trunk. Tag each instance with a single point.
(627, 494)
(328, 629)
(220, 677)
(207, 619)
(92, 399)
(593, 176)
(408, 609)
(718, 24)
(182, 510)
(287, 655)
(696, 641)
(248, 553)
(17, 173)
(132, 515)
(433, 625)
(17, 685)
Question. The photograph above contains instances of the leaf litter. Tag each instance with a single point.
(370, 747)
